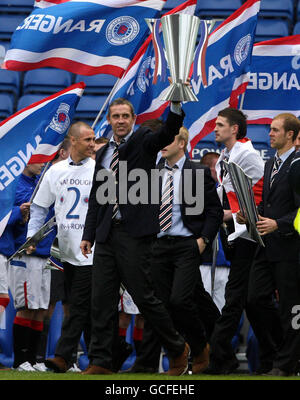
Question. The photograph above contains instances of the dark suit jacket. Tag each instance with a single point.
(209, 221)
(280, 203)
(140, 151)
(294, 174)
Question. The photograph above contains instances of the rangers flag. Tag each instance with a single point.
(274, 82)
(33, 134)
(83, 37)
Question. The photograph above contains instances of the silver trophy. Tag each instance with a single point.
(242, 185)
(36, 238)
(179, 36)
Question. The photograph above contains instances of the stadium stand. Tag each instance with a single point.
(28, 99)
(6, 105)
(10, 82)
(296, 30)
(97, 84)
(8, 24)
(46, 80)
(268, 29)
(88, 108)
(216, 8)
(277, 9)
(16, 6)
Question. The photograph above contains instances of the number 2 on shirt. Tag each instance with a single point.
(77, 194)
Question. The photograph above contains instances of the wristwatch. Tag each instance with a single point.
(205, 240)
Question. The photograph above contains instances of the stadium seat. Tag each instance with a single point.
(8, 24)
(28, 99)
(298, 12)
(46, 80)
(10, 82)
(6, 106)
(217, 8)
(258, 133)
(268, 29)
(277, 9)
(16, 6)
(296, 30)
(170, 4)
(88, 108)
(97, 84)
(3, 49)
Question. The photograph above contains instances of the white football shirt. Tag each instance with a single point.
(68, 187)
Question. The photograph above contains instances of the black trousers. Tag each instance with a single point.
(125, 259)
(78, 284)
(178, 283)
(235, 301)
(278, 339)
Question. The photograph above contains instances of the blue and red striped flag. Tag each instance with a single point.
(84, 37)
(33, 134)
(274, 80)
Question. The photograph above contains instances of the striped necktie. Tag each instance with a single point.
(277, 163)
(114, 166)
(165, 212)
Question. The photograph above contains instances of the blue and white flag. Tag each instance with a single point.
(274, 84)
(33, 134)
(136, 84)
(227, 61)
(84, 37)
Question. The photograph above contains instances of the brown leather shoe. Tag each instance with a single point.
(57, 364)
(201, 362)
(179, 365)
(96, 370)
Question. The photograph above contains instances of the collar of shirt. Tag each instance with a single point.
(179, 163)
(84, 161)
(112, 140)
(285, 155)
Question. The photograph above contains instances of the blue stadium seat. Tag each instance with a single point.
(4, 46)
(268, 29)
(10, 82)
(277, 9)
(28, 99)
(46, 80)
(16, 6)
(217, 8)
(170, 4)
(6, 106)
(88, 108)
(97, 84)
(298, 12)
(8, 24)
(259, 133)
(296, 30)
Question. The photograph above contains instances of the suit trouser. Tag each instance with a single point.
(278, 339)
(235, 301)
(175, 271)
(78, 282)
(125, 259)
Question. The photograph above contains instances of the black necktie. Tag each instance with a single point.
(277, 163)
(166, 204)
